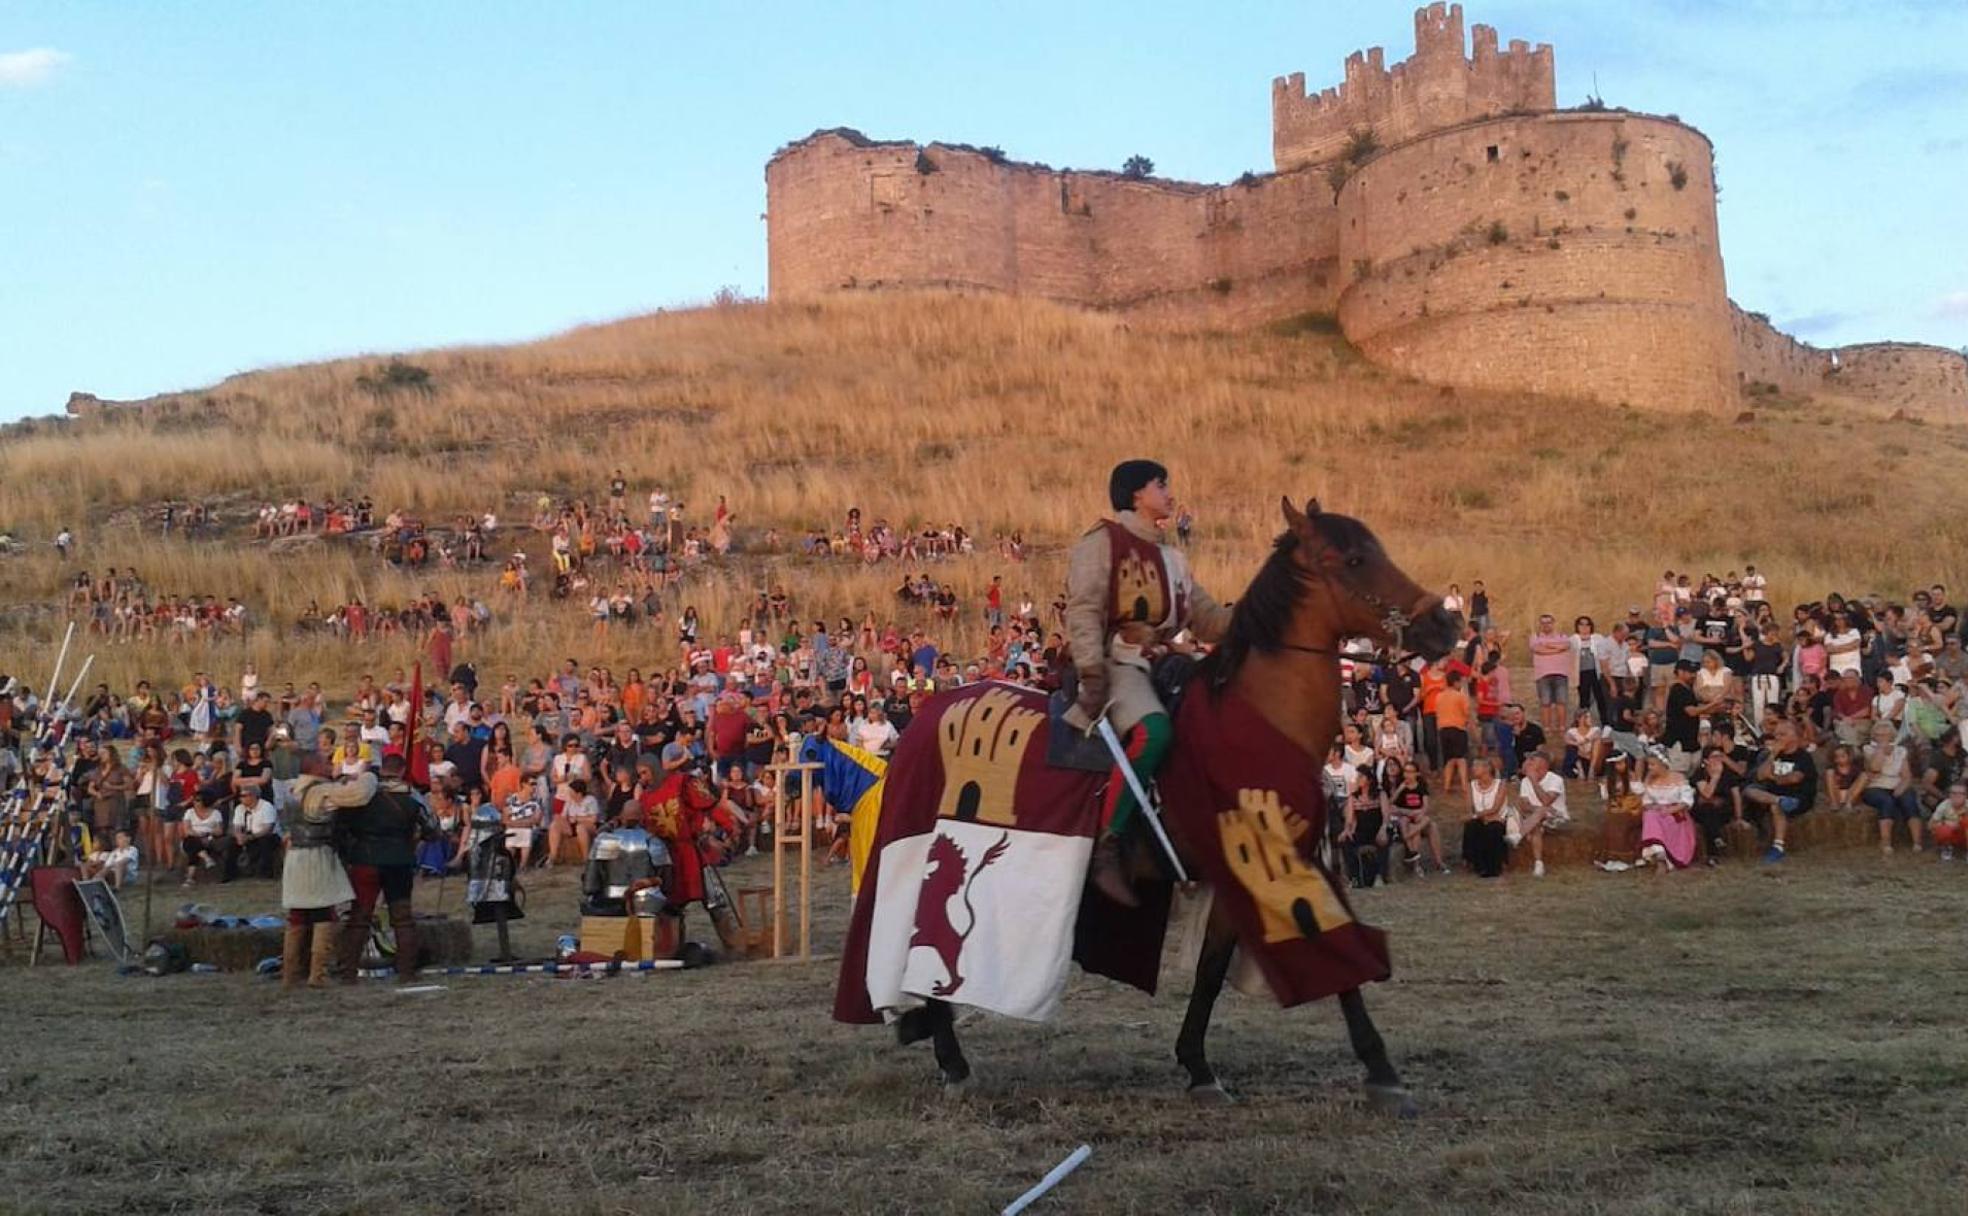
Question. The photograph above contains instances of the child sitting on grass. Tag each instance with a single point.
(1949, 821)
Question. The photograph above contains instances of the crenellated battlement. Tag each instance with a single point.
(1438, 86)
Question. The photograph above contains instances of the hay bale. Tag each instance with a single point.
(1575, 844)
(442, 941)
(226, 949)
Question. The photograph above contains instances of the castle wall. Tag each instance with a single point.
(1767, 355)
(1926, 381)
(847, 213)
(1490, 241)
(1439, 86)
(1549, 253)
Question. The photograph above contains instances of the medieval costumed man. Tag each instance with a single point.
(491, 876)
(312, 882)
(1127, 597)
(684, 812)
(379, 843)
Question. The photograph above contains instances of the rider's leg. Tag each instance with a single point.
(1145, 744)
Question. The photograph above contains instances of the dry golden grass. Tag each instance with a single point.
(1002, 414)
(1734, 1042)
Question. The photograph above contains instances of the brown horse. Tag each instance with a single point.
(1327, 580)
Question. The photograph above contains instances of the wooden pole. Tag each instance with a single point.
(806, 867)
(786, 811)
(779, 866)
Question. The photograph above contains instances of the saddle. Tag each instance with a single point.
(1067, 748)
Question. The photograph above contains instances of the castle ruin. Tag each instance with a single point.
(1460, 226)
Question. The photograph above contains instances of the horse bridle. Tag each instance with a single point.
(1394, 621)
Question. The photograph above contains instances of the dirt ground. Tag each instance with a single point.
(1739, 1041)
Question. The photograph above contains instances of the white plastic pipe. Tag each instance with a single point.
(79, 677)
(54, 678)
(1052, 1179)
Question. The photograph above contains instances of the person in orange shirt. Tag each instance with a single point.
(1452, 726)
(1434, 678)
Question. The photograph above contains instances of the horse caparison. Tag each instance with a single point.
(1327, 579)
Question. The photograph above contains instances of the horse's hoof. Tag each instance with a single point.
(1392, 1100)
(956, 1091)
(1212, 1094)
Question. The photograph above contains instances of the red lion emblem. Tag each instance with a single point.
(946, 877)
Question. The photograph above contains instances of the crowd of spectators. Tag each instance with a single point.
(119, 607)
(1705, 709)
(195, 775)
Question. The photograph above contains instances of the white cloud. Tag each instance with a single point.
(26, 69)
(1953, 305)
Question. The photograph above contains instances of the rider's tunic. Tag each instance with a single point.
(1119, 577)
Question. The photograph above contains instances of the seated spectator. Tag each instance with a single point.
(1340, 782)
(1889, 788)
(522, 820)
(115, 866)
(1667, 830)
(1586, 747)
(1950, 821)
(1408, 808)
(1943, 768)
(1619, 832)
(254, 838)
(580, 815)
(1363, 837)
(1785, 786)
(1845, 779)
(1541, 807)
(876, 733)
(1484, 846)
(1718, 800)
(202, 836)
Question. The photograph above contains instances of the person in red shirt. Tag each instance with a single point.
(724, 735)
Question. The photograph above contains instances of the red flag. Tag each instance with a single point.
(418, 759)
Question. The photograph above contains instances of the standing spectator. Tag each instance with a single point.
(1843, 645)
(1452, 726)
(1594, 652)
(1552, 665)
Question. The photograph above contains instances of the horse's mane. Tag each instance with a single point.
(1259, 620)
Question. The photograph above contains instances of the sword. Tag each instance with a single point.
(1141, 798)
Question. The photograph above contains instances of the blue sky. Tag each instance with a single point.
(187, 191)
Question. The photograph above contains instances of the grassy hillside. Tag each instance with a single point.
(996, 413)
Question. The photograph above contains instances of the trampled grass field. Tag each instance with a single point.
(1741, 1041)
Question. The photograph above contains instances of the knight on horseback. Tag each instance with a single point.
(1128, 596)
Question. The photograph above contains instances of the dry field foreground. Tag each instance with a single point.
(1733, 1042)
(1001, 414)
